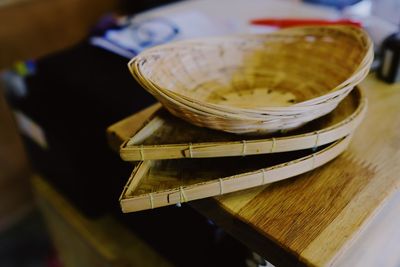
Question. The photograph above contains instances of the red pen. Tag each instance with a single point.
(291, 22)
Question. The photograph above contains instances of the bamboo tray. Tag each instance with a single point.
(160, 183)
(166, 137)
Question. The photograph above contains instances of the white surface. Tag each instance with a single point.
(143, 32)
(238, 13)
(379, 29)
(199, 18)
(387, 9)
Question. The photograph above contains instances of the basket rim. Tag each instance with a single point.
(355, 78)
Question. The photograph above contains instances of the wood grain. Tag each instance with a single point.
(316, 193)
(316, 218)
(381, 236)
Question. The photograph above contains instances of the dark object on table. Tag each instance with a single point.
(389, 69)
(74, 96)
(134, 7)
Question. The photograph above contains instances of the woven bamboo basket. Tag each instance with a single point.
(160, 183)
(256, 83)
(165, 137)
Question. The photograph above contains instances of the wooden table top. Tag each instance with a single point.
(314, 218)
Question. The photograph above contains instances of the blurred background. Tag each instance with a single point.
(63, 82)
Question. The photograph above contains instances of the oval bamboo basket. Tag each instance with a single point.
(256, 83)
(157, 139)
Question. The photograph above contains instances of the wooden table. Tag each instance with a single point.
(315, 218)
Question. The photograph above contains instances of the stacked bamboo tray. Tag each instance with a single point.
(255, 108)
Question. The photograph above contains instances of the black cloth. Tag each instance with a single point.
(74, 96)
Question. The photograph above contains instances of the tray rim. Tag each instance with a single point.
(215, 187)
(244, 147)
